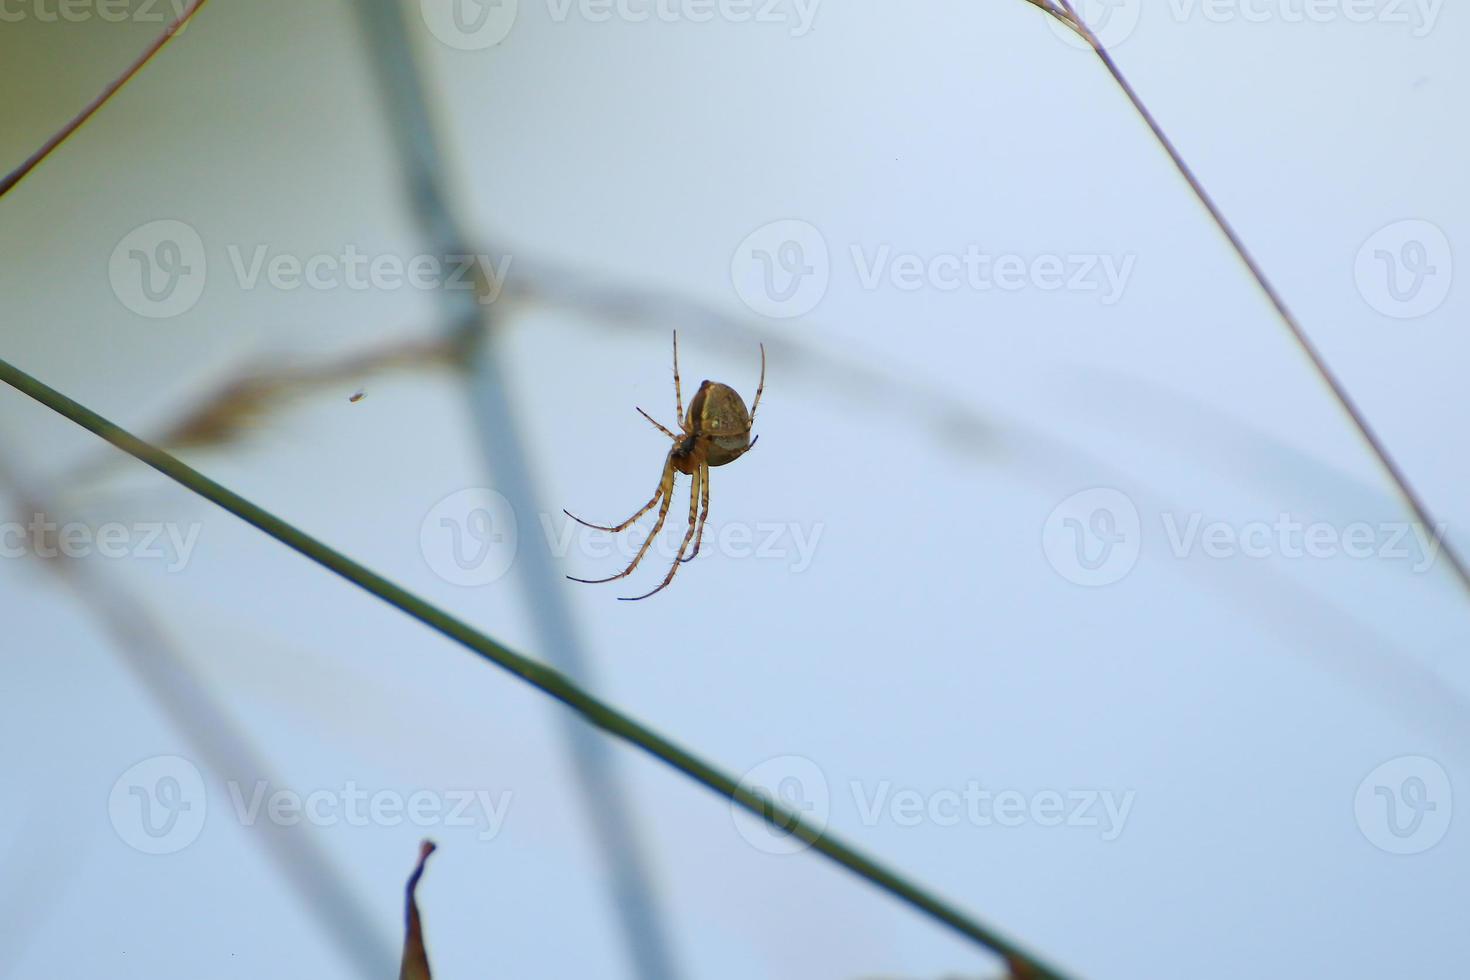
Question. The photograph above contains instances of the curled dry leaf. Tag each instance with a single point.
(1019, 969)
(415, 957)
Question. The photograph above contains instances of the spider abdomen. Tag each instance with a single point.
(718, 418)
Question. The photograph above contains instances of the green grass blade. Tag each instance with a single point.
(551, 682)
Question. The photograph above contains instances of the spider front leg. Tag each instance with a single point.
(696, 481)
(656, 424)
(678, 394)
(759, 388)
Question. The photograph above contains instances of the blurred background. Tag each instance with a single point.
(1057, 579)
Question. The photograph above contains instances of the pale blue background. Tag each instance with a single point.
(930, 643)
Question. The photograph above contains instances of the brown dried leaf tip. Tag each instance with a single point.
(415, 956)
(1020, 969)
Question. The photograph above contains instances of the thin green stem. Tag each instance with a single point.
(1048, 7)
(34, 160)
(549, 681)
(1068, 15)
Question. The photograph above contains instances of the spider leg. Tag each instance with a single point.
(759, 388)
(665, 483)
(695, 482)
(746, 449)
(678, 393)
(665, 490)
(656, 424)
(703, 509)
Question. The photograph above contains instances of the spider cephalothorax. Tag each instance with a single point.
(715, 431)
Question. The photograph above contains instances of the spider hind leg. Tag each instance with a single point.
(695, 485)
(703, 511)
(664, 491)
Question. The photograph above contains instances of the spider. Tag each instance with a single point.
(715, 432)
